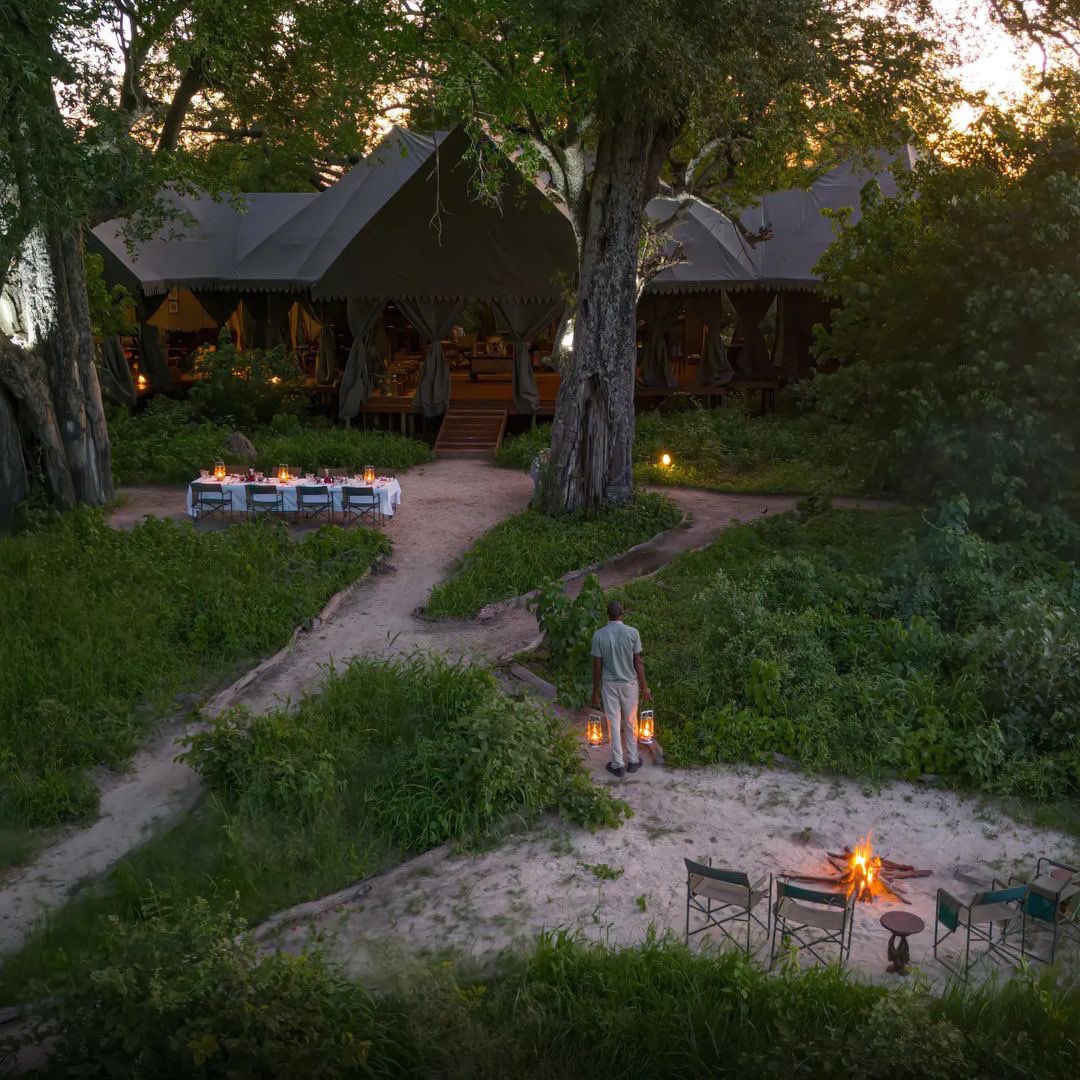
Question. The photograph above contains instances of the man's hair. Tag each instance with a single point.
(614, 610)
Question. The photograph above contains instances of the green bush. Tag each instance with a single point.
(112, 624)
(520, 553)
(182, 994)
(568, 626)
(867, 642)
(186, 997)
(167, 443)
(730, 449)
(245, 388)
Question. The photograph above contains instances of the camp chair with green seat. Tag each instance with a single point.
(264, 499)
(725, 897)
(207, 499)
(1052, 905)
(999, 904)
(797, 910)
(361, 502)
(313, 501)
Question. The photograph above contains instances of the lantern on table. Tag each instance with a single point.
(646, 726)
(219, 470)
(594, 730)
(283, 474)
(369, 474)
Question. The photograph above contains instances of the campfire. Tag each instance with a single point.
(864, 874)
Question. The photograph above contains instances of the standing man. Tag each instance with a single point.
(618, 676)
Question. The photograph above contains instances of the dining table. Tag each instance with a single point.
(387, 488)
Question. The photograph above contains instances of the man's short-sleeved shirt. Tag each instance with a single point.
(616, 645)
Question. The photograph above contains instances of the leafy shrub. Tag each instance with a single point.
(568, 626)
(182, 994)
(245, 388)
(168, 443)
(111, 624)
(523, 551)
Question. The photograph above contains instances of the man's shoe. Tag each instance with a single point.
(634, 766)
(615, 771)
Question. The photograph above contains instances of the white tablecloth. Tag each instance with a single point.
(388, 490)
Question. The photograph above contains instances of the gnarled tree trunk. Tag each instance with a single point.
(592, 437)
(49, 379)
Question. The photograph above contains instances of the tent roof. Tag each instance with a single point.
(801, 233)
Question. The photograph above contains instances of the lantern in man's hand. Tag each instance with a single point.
(646, 726)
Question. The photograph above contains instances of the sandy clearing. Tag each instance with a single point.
(745, 817)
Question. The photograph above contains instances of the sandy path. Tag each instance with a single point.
(746, 818)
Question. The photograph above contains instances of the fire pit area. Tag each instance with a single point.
(862, 873)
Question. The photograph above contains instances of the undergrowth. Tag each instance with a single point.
(520, 553)
(185, 995)
(168, 443)
(730, 449)
(103, 627)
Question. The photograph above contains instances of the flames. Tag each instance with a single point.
(862, 872)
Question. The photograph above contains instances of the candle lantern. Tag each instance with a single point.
(594, 730)
(141, 381)
(283, 474)
(219, 470)
(646, 726)
(369, 474)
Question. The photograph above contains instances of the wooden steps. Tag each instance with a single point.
(471, 430)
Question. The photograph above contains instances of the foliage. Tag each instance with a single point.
(563, 1009)
(525, 550)
(245, 388)
(112, 624)
(869, 642)
(183, 993)
(730, 449)
(166, 443)
(568, 626)
(957, 324)
(109, 307)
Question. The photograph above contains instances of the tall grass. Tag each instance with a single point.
(563, 1010)
(729, 449)
(102, 628)
(167, 444)
(525, 550)
(388, 760)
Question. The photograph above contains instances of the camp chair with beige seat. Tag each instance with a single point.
(314, 500)
(800, 912)
(724, 898)
(1001, 904)
(1052, 906)
(207, 499)
(264, 499)
(360, 502)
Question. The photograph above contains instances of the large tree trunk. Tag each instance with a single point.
(593, 435)
(51, 378)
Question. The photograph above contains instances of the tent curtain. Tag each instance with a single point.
(714, 368)
(152, 361)
(751, 308)
(356, 381)
(525, 320)
(660, 312)
(218, 305)
(433, 318)
(796, 314)
(116, 372)
(278, 306)
(248, 318)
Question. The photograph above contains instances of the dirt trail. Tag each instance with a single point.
(446, 506)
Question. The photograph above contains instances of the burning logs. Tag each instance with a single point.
(863, 873)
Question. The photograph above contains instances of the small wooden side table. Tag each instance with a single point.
(901, 925)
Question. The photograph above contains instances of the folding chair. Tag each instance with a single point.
(314, 501)
(999, 904)
(264, 499)
(361, 502)
(207, 499)
(711, 891)
(797, 910)
(1053, 904)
